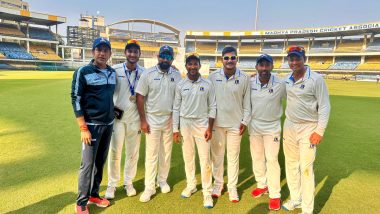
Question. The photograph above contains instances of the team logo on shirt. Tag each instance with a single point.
(302, 86)
(186, 89)
(157, 79)
(219, 80)
(271, 90)
(201, 88)
(172, 79)
(236, 82)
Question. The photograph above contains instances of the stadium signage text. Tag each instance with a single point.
(323, 30)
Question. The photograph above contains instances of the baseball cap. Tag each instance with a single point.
(100, 41)
(132, 43)
(296, 50)
(265, 57)
(191, 56)
(166, 49)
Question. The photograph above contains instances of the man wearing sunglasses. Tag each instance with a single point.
(155, 97)
(194, 111)
(93, 86)
(307, 114)
(232, 90)
(267, 93)
(127, 123)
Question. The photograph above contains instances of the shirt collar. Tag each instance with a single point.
(305, 76)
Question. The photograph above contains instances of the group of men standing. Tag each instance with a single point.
(211, 114)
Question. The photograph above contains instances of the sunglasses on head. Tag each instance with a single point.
(296, 49)
(166, 56)
(232, 58)
(133, 41)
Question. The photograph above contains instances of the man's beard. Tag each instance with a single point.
(164, 65)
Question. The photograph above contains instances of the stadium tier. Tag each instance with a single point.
(10, 30)
(44, 53)
(349, 46)
(328, 49)
(222, 45)
(206, 47)
(249, 48)
(320, 63)
(273, 47)
(40, 33)
(14, 51)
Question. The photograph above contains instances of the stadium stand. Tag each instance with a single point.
(2, 56)
(322, 46)
(349, 46)
(249, 48)
(39, 33)
(273, 47)
(14, 51)
(118, 45)
(10, 30)
(190, 47)
(372, 64)
(44, 53)
(208, 60)
(374, 45)
(345, 63)
(299, 43)
(222, 45)
(247, 62)
(277, 61)
(206, 47)
(320, 63)
(5, 66)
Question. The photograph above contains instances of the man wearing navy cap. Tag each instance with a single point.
(267, 92)
(93, 86)
(307, 114)
(155, 97)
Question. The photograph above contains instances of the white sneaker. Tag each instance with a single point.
(291, 205)
(188, 191)
(165, 188)
(147, 194)
(217, 191)
(130, 190)
(233, 195)
(208, 202)
(110, 192)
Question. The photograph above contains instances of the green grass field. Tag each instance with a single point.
(40, 155)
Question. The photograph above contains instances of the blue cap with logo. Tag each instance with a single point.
(100, 41)
(166, 49)
(265, 57)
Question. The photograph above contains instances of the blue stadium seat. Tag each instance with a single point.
(14, 51)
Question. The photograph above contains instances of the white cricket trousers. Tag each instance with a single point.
(225, 136)
(193, 133)
(299, 159)
(265, 166)
(128, 134)
(158, 154)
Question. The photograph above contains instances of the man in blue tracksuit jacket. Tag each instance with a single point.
(92, 99)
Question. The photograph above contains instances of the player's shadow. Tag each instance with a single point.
(53, 204)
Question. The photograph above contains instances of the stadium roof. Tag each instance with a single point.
(335, 31)
(148, 21)
(30, 17)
